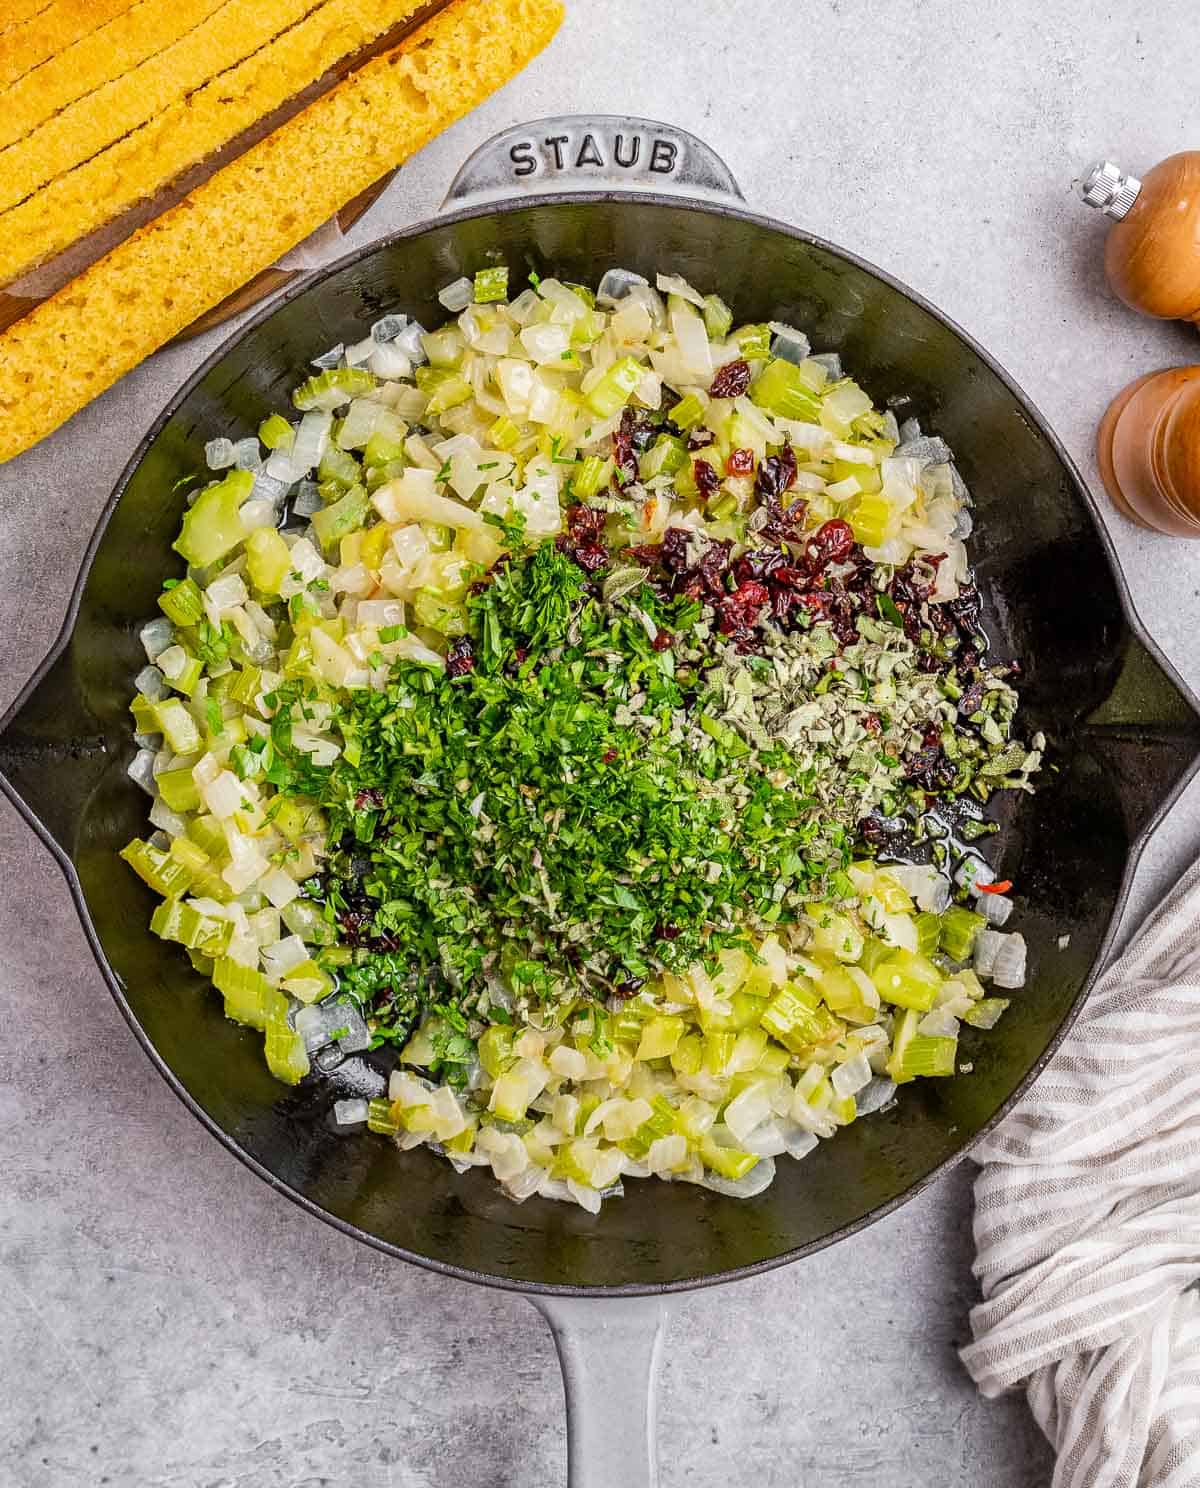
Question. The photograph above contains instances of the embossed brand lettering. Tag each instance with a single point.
(589, 154)
(662, 156)
(635, 151)
(523, 158)
(556, 142)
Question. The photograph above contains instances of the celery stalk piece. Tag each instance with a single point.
(268, 560)
(594, 474)
(178, 726)
(334, 522)
(665, 456)
(164, 874)
(287, 1058)
(178, 789)
(503, 434)
(781, 389)
(510, 1096)
(183, 604)
(915, 1054)
(718, 318)
(659, 1037)
(688, 1055)
(729, 1162)
(212, 525)
(332, 388)
(491, 285)
(383, 1117)
(793, 1018)
(339, 467)
(929, 932)
(173, 920)
(661, 1124)
(754, 341)
(907, 979)
(688, 412)
(615, 387)
(959, 929)
(185, 682)
(276, 433)
(496, 1049)
(247, 992)
(986, 1012)
(874, 520)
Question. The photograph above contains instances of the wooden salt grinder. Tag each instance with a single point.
(1148, 442)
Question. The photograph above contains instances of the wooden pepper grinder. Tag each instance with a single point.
(1148, 442)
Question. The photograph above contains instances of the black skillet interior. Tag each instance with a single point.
(1120, 734)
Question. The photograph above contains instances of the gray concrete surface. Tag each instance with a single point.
(166, 1321)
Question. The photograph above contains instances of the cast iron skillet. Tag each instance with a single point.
(1123, 734)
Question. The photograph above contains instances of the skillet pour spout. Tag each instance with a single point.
(1122, 731)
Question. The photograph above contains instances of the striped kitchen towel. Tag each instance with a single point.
(1087, 1225)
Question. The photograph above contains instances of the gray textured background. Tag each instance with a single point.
(164, 1319)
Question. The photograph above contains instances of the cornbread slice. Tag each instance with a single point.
(138, 165)
(207, 50)
(102, 56)
(37, 30)
(78, 342)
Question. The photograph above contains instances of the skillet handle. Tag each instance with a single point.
(609, 1350)
(53, 752)
(590, 152)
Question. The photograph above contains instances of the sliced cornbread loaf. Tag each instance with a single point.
(100, 57)
(185, 132)
(38, 30)
(78, 342)
(112, 109)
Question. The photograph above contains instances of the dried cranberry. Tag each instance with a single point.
(371, 799)
(739, 462)
(871, 723)
(761, 563)
(699, 439)
(674, 548)
(631, 987)
(971, 699)
(776, 474)
(667, 932)
(706, 478)
(647, 554)
(790, 576)
(740, 609)
(832, 542)
(662, 641)
(930, 768)
(585, 522)
(460, 659)
(591, 557)
(731, 380)
(608, 756)
(634, 435)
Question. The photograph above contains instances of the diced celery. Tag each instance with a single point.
(144, 716)
(874, 520)
(332, 388)
(189, 853)
(661, 1124)
(907, 979)
(183, 604)
(186, 681)
(307, 982)
(510, 1096)
(664, 457)
(718, 1051)
(781, 389)
(659, 1037)
(383, 1117)
(688, 1055)
(836, 933)
(615, 387)
(247, 992)
(437, 613)
(718, 317)
(496, 1049)
(688, 412)
(332, 523)
(213, 525)
(729, 1162)
(173, 920)
(177, 726)
(929, 931)
(915, 1054)
(164, 874)
(287, 1058)
(296, 817)
(593, 475)
(744, 1011)
(245, 685)
(268, 560)
(382, 450)
(754, 341)
(276, 433)
(959, 928)
(869, 477)
(491, 284)
(339, 466)
(504, 433)
(178, 789)
(986, 1012)
(795, 1018)
(444, 389)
